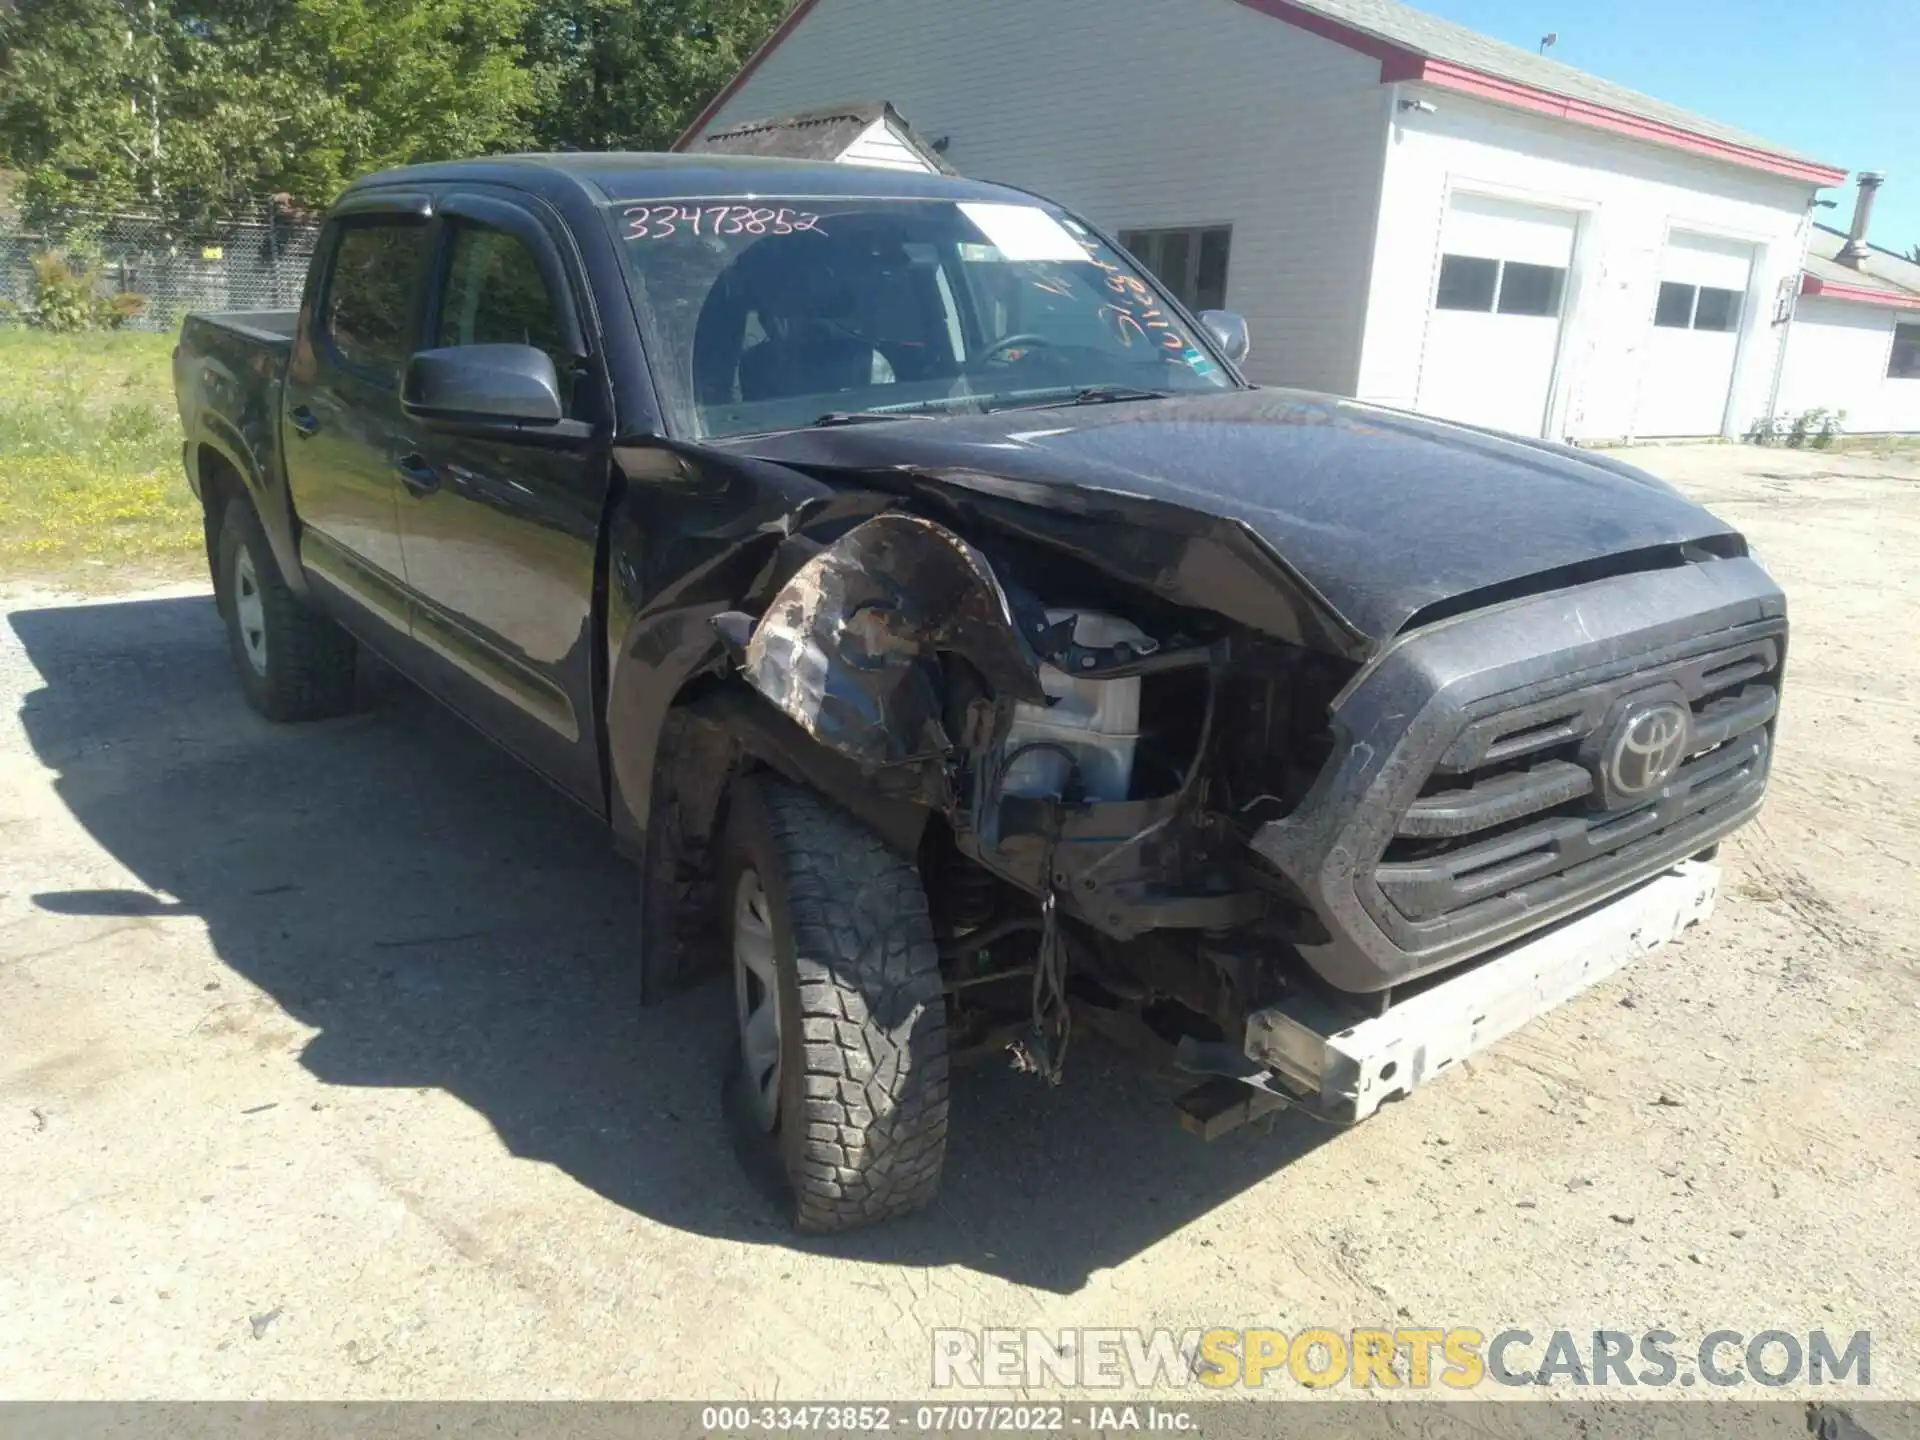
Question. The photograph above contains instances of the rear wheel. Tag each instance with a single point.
(841, 1050)
(294, 663)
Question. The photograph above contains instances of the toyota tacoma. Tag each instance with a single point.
(964, 651)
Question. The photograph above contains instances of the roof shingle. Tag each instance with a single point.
(1880, 271)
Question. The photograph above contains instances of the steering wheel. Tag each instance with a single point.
(992, 352)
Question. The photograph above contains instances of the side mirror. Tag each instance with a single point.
(1229, 332)
(483, 382)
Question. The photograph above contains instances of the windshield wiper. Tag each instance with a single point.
(1089, 395)
(1109, 394)
(862, 417)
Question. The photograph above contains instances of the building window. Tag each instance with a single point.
(1530, 289)
(1674, 309)
(1696, 307)
(1191, 263)
(1904, 363)
(1467, 282)
(1717, 309)
(1509, 287)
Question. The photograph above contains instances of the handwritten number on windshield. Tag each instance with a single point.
(663, 222)
(1135, 311)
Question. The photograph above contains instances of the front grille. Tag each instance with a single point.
(1507, 818)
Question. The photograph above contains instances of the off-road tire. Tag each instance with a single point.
(309, 660)
(862, 1126)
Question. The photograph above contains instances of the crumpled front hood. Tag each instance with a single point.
(1383, 513)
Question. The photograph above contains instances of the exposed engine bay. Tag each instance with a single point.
(1158, 774)
(1090, 759)
(1148, 812)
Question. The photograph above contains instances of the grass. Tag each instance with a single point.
(90, 479)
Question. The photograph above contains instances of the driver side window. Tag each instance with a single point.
(496, 295)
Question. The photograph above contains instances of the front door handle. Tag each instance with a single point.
(303, 419)
(417, 475)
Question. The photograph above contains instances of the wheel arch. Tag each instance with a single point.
(227, 468)
(708, 734)
(220, 482)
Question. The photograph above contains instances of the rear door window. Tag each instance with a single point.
(368, 317)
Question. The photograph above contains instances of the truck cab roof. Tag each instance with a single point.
(613, 176)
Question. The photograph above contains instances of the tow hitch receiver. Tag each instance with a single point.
(1346, 1075)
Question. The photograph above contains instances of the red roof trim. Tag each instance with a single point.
(1459, 78)
(772, 43)
(1839, 290)
(1398, 63)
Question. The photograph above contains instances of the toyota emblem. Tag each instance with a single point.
(1646, 749)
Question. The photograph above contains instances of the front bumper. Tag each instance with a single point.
(1387, 917)
(1346, 1074)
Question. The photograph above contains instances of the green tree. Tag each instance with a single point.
(76, 87)
(183, 107)
(630, 74)
(188, 105)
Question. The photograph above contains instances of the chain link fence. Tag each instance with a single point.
(255, 261)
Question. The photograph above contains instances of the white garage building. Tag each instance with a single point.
(1854, 345)
(1405, 211)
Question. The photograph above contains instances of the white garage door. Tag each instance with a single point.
(1696, 336)
(1493, 333)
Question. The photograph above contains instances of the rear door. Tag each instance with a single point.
(341, 417)
(499, 526)
(1493, 331)
(1696, 336)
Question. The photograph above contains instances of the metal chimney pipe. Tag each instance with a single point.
(1855, 250)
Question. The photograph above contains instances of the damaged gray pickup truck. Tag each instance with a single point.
(965, 652)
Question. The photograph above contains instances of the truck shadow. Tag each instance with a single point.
(444, 919)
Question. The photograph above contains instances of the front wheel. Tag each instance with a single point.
(841, 1022)
(294, 663)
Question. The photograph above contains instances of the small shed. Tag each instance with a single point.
(870, 133)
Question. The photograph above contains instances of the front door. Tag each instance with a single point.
(500, 529)
(340, 412)
(1493, 332)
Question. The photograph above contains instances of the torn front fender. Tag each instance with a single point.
(848, 647)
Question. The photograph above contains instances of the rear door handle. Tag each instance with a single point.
(417, 475)
(303, 419)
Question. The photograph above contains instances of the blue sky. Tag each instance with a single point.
(1835, 79)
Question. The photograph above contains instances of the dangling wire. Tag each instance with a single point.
(1046, 1053)
(1052, 1016)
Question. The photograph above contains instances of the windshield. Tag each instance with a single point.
(784, 313)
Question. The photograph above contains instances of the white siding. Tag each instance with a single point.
(1630, 197)
(1137, 114)
(1837, 360)
(880, 145)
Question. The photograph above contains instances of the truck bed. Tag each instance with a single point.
(227, 370)
(271, 327)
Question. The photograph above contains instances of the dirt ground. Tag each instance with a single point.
(320, 1073)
